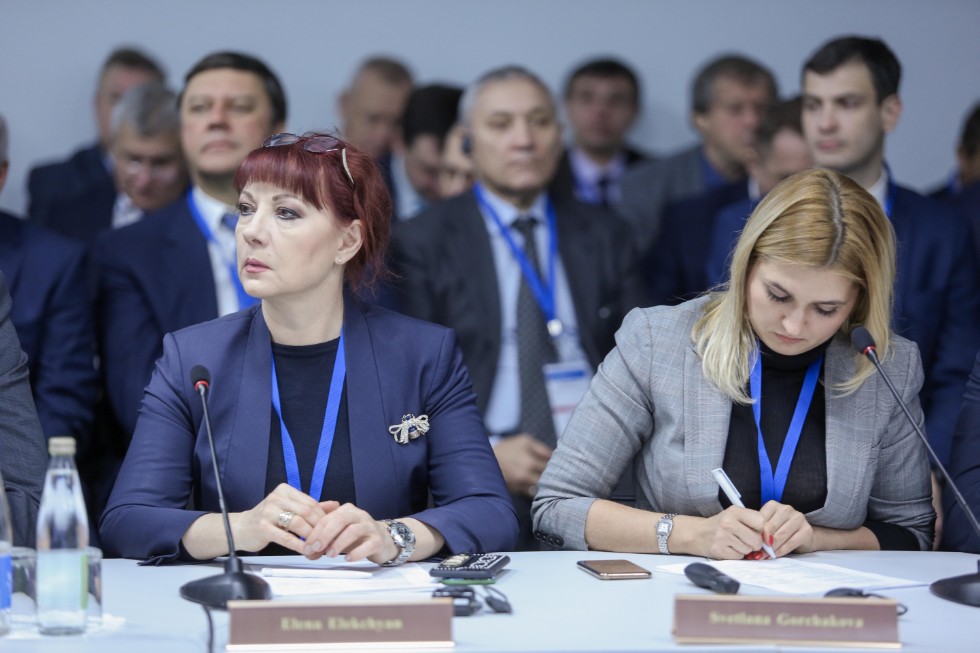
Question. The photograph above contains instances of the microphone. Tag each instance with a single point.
(959, 589)
(234, 584)
(710, 578)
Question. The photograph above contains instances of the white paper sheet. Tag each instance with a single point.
(798, 577)
(297, 576)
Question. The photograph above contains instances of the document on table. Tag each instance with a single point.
(798, 577)
(297, 576)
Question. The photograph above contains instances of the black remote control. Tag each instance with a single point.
(470, 566)
(710, 578)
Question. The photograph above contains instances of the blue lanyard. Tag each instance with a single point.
(772, 485)
(326, 433)
(244, 299)
(544, 293)
(890, 191)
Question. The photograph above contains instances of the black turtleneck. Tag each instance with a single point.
(806, 485)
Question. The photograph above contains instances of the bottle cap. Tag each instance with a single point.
(61, 446)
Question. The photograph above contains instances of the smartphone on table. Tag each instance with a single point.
(613, 569)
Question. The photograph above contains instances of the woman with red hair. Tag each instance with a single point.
(353, 415)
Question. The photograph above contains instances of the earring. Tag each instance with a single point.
(340, 261)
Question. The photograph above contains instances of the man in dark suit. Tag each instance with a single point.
(90, 168)
(371, 109)
(53, 317)
(502, 261)
(963, 190)
(416, 160)
(23, 455)
(149, 170)
(729, 97)
(958, 534)
(177, 267)
(602, 99)
(850, 103)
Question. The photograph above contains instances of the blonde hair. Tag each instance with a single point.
(816, 218)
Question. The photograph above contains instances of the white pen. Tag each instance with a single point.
(735, 497)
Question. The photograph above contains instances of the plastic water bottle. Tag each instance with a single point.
(6, 571)
(62, 537)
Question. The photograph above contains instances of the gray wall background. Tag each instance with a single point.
(50, 52)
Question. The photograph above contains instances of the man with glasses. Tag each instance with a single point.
(149, 168)
(177, 266)
(90, 168)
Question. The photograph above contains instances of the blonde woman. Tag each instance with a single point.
(759, 379)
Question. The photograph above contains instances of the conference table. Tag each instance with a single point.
(556, 608)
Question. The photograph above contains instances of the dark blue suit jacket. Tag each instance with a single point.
(81, 172)
(937, 301)
(958, 534)
(82, 216)
(154, 277)
(676, 267)
(52, 314)
(395, 365)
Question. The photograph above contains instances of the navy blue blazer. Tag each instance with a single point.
(395, 365)
(676, 266)
(52, 314)
(82, 171)
(154, 277)
(958, 534)
(83, 216)
(937, 301)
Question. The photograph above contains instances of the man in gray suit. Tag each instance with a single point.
(23, 459)
(729, 97)
(466, 263)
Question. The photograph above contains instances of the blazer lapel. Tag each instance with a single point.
(850, 434)
(706, 434)
(247, 448)
(184, 287)
(375, 474)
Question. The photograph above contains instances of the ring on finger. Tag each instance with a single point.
(285, 518)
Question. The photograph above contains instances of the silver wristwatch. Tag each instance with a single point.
(404, 539)
(664, 527)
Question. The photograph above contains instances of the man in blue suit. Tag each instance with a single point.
(149, 169)
(958, 534)
(52, 314)
(90, 168)
(850, 102)
(176, 267)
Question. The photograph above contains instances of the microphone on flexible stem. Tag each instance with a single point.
(960, 589)
(235, 584)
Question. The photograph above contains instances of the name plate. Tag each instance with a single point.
(285, 625)
(851, 622)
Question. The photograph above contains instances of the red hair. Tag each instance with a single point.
(320, 179)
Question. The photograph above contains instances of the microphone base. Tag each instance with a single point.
(216, 591)
(959, 589)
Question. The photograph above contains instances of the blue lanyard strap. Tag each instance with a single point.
(772, 485)
(244, 299)
(326, 433)
(544, 292)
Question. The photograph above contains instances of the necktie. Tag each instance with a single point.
(534, 347)
(602, 184)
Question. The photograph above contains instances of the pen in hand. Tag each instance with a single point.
(735, 497)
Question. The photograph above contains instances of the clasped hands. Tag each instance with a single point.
(737, 533)
(315, 529)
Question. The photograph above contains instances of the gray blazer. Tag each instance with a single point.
(647, 188)
(650, 403)
(23, 454)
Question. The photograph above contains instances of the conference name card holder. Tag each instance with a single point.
(303, 626)
(787, 621)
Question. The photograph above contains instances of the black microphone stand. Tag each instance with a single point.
(235, 584)
(963, 589)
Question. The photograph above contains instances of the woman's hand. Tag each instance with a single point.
(732, 534)
(263, 525)
(786, 529)
(347, 530)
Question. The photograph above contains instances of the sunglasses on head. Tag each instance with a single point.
(315, 144)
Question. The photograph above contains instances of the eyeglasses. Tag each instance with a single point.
(861, 594)
(315, 144)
